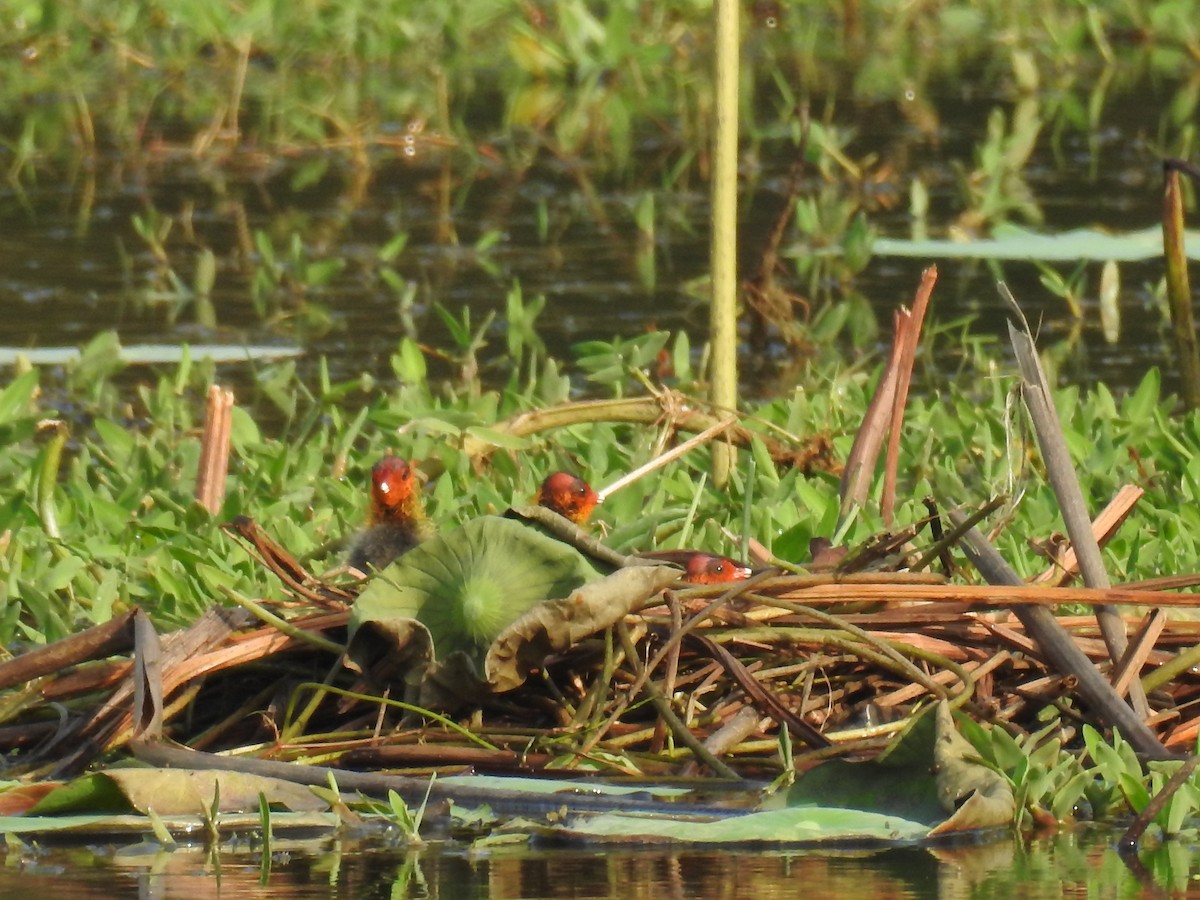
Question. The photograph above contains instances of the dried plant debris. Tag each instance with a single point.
(493, 648)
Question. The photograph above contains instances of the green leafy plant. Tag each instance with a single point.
(1047, 780)
(400, 816)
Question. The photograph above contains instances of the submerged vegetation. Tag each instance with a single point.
(334, 176)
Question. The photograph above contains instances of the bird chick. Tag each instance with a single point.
(567, 495)
(705, 568)
(396, 521)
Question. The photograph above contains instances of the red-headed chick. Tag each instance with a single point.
(396, 522)
(568, 495)
(705, 568)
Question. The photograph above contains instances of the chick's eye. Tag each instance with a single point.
(719, 568)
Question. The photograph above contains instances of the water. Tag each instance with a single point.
(76, 264)
(1081, 862)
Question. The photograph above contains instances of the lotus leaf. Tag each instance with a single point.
(1014, 242)
(554, 626)
(927, 773)
(434, 616)
(778, 826)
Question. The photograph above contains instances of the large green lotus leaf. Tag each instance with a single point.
(927, 773)
(454, 594)
(554, 626)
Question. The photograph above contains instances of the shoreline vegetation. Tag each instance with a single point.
(852, 647)
(172, 573)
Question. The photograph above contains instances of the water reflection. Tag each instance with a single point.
(1080, 862)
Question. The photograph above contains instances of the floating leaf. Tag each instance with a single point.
(147, 354)
(173, 792)
(901, 782)
(1014, 242)
(815, 825)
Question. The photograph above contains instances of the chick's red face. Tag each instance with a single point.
(568, 496)
(391, 481)
(705, 569)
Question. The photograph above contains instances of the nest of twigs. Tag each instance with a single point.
(701, 681)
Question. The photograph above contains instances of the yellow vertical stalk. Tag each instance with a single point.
(723, 320)
(1179, 295)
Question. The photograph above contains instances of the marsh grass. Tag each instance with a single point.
(129, 531)
(281, 78)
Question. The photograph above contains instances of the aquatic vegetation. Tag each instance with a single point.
(331, 177)
(495, 112)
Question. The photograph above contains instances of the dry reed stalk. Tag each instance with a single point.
(176, 669)
(662, 705)
(665, 458)
(762, 697)
(1183, 737)
(672, 675)
(214, 449)
(908, 355)
(1136, 655)
(1037, 394)
(981, 596)
(441, 756)
(677, 410)
(1060, 651)
(112, 637)
(736, 729)
(859, 471)
(85, 679)
(945, 678)
(93, 733)
(952, 650)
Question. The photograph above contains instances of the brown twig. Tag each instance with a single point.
(1061, 652)
(1104, 527)
(765, 701)
(1133, 834)
(99, 641)
(294, 576)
